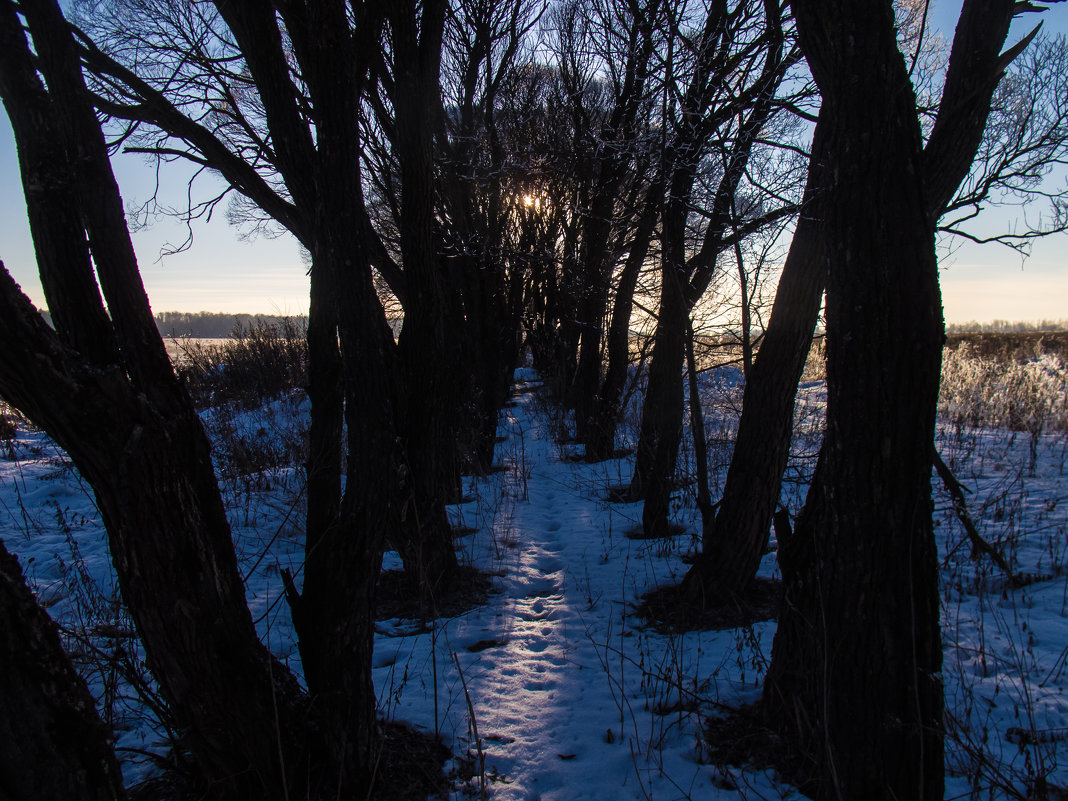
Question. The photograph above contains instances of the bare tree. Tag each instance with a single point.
(259, 128)
(855, 673)
(119, 411)
(483, 164)
(738, 61)
(1003, 166)
(622, 39)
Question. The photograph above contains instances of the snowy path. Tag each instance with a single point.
(555, 660)
(561, 680)
(534, 719)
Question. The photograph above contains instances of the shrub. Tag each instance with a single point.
(260, 362)
(986, 392)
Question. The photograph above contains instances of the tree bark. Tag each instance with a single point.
(662, 411)
(732, 547)
(428, 346)
(656, 458)
(855, 674)
(334, 614)
(601, 437)
(178, 573)
(135, 437)
(597, 264)
(53, 745)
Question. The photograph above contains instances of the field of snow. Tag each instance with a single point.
(554, 689)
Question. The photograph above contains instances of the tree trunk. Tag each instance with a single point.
(133, 434)
(489, 330)
(733, 546)
(601, 438)
(661, 428)
(697, 427)
(428, 346)
(597, 265)
(334, 615)
(326, 398)
(233, 704)
(857, 656)
(53, 746)
(690, 278)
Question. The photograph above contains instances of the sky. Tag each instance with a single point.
(221, 272)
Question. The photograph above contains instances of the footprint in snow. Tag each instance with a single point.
(542, 588)
(536, 647)
(548, 564)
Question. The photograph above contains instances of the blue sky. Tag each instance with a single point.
(223, 273)
(218, 273)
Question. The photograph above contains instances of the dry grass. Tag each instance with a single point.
(256, 364)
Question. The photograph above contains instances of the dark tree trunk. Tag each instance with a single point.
(746, 307)
(562, 310)
(352, 375)
(858, 654)
(234, 706)
(334, 616)
(733, 546)
(489, 327)
(601, 436)
(655, 464)
(53, 745)
(597, 264)
(661, 427)
(613, 149)
(428, 346)
(326, 397)
(697, 427)
(134, 435)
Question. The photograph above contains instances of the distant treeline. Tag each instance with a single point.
(213, 325)
(1021, 345)
(1007, 327)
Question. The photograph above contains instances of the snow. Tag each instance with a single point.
(554, 689)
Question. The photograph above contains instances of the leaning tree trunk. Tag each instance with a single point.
(734, 544)
(176, 568)
(855, 674)
(134, 435)
(53, 745)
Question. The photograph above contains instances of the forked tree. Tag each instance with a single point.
(102, 386)
(485, 169)
(615, 129)
(276, 104)
(855, 678)
(1012, 153)
(738, 61)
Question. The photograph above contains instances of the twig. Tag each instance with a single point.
(960, 506)
(1020, 736)
(474, 729)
